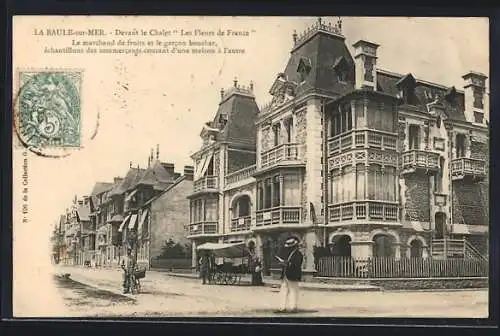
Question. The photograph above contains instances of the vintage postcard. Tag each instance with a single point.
(250, 166)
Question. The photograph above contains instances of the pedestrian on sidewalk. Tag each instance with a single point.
(257, 273)
(205, 268)
(128, 267)
(291, 274)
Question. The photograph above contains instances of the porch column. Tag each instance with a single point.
(282, 194)
(258, 247)
(397, 251)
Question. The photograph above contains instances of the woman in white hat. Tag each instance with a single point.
(291, 274)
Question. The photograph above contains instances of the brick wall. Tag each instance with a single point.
(169, 215)
(479, 150)
(417, 197)
(468, 202)
(238, 160)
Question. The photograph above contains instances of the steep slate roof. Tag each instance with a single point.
(83, 212)
(170, 187)
(101, 187)
(158, 175)
(387, 82)
(322, 51)
(241, 111)
(130, 180)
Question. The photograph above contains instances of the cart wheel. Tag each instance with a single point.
(218, 279)
(231, 279)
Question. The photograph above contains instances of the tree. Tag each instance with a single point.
(174, 250)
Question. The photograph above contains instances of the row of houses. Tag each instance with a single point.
(353, 160)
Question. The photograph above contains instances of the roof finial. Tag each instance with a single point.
(339, 23)
(319, 21)
(235, 81)
(152, 154)
(251, 86)
(130, 164)
(295, 36)
(221, 93)
(157, 152)
(149, 160)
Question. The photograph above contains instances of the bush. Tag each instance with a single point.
(173, 250)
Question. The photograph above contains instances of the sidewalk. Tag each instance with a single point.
(103, 279)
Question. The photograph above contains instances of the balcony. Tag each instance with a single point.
(415, 159)
(362, 139)
(467, 167)
(363, 210)
(206, 184)
(279, 215)
(241, 224)
(281, 155)
(202, 228)
(240, 175)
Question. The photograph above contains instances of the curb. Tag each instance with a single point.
(303, 287)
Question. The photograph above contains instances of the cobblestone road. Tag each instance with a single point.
(165, 295)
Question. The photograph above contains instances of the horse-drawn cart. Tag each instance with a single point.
(235, 257)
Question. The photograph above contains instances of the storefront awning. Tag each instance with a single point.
(132, 194)
(122, 225)
(133, 222)
(203, 166)
(144, 216)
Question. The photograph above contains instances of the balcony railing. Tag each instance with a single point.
(282, 153)
(468, 167)
(361, 139)
(365, 210)
(240, 175)
(203, 228)
(420, 159)
(241, 224)
(206, 183)
(278, 215)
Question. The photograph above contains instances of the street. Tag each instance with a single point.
(97, 293)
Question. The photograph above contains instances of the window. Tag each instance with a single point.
(260, 196)
(348, 177)
(478, 98)
(342, 74)
(389, 181)
(267, 193)
(438, 181)
(460, 146)
(289, 130)
(374, 182)
(276, 134)
(360, 181)
(291, 190)
(478, 117)
(211, 210)
(335, 187)
(413, 137)
(242, 207)
(369, 69)
(276, 191)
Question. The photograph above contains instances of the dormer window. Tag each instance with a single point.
(406, 86)
(451, 96)
(304, 68)
(341, 68)
(222, 120)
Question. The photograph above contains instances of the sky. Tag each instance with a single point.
(141, 101)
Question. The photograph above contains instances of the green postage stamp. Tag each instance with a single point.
(49, 108)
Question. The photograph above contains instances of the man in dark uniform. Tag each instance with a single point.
(291, 274)
(128, 267)
(205, 268)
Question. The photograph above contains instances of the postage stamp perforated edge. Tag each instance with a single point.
(52, 149)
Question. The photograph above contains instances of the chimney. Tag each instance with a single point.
(235, 82)
(189, 172)
(170, 168)
(221, 93)
(365, 58)
(157, 151)
(251, 86)
(474, 94)
(130, 165)
(80, 202)
(295, 36)
(117, 180)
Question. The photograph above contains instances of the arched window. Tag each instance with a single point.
(416, 249)
(241, 207)
(383, 246)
